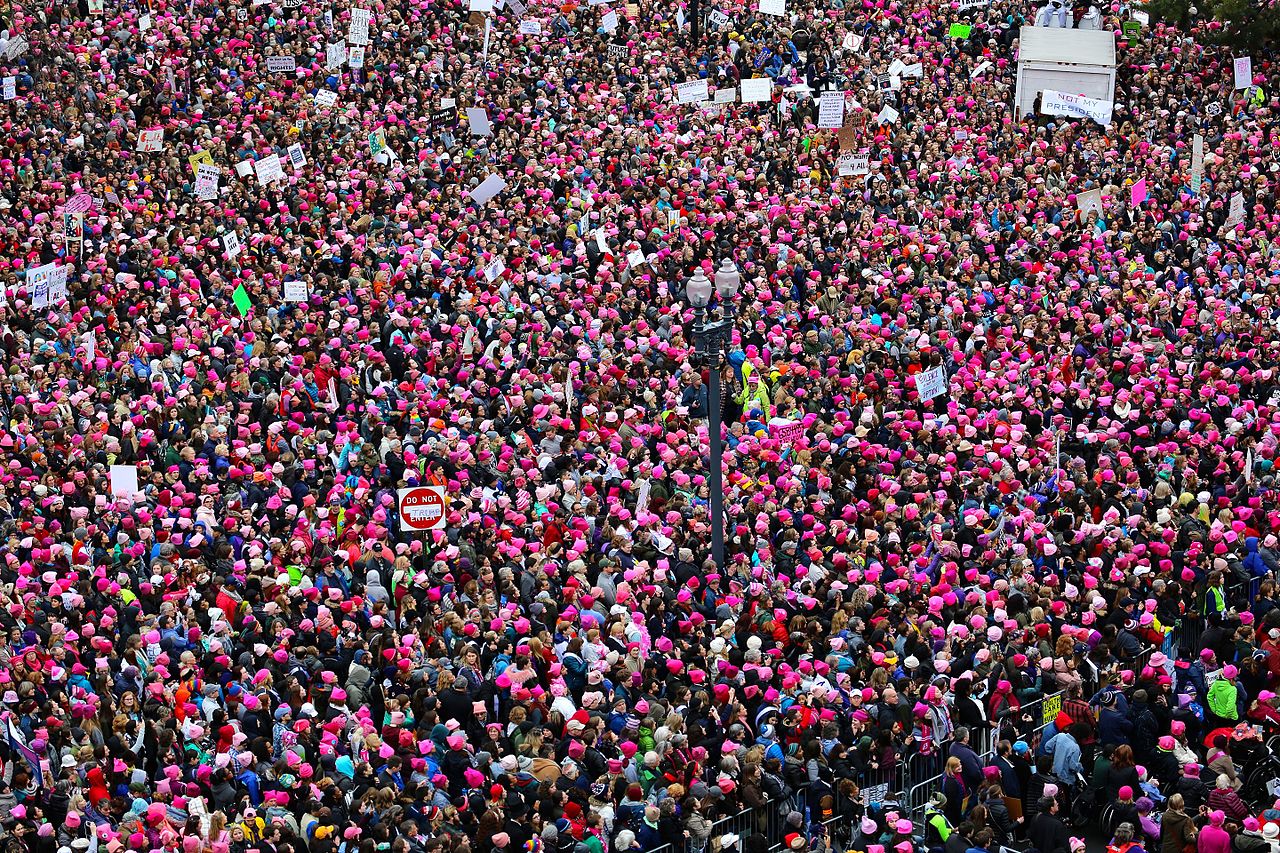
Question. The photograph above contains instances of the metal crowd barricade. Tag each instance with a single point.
(917, 795)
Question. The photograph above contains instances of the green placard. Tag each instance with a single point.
(241, 298)
(960, 31)
(1131, 31)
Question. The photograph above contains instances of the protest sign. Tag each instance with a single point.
(609, 21)
(757, 89)
(517, 8)
(358, 29)
(931, 383)
(1138, 192)
(296, 291)
(786, 431)
(831, 110)
(487, 189)
(124, 481)
(240, 297)
(887, 115)
(10, 88)
(47, 285)
(17, 47)
(1243, 68)
(206, 187)
(853, 165)
(534, 28)
(355, 56)
(1197, 163)
(196, 159)
(58, 285)
(445, 117)
(1088, 200)
(1075, 106)
(38, 285)
(150, 140)
(959, 31)
(773, 7)
(326, 98)
(478, 121)
(231, 244)
(717, 19)
(335, 56)
(726, 96)
(1131, 30)
(278, 64)
(268, 169)
(79, 203)
(1235, 211)
(876, 793)
(297, 159)
(496, 268)
(966, 5)
(691, 92)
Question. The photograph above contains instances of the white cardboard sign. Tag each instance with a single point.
(691, 92)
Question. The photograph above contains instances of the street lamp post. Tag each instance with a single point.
(712, 337)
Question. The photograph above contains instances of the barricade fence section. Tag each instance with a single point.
(912, 780)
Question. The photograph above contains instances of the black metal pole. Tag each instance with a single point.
(695, 22)
(717, 456)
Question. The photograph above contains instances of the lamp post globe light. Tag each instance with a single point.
(712, 336)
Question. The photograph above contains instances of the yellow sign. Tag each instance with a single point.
(1052, 707)
(200, 157)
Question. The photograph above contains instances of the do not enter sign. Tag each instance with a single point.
(421, 508)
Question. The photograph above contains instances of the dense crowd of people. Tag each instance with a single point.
(315, 252)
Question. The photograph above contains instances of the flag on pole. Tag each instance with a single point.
(18, 745)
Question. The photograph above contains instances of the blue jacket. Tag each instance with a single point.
(1114, 727)
(648, 837)
(1253, 563)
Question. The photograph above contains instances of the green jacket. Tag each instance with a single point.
(1222, 699)
(937, 821)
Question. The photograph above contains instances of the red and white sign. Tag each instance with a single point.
(422, 507)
